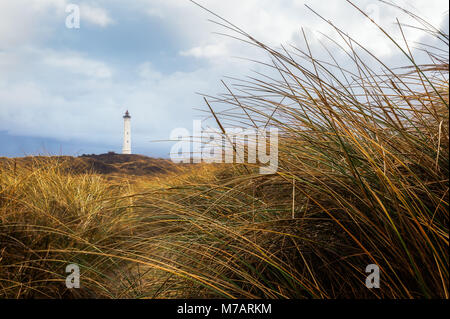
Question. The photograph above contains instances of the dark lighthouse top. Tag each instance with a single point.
(127, 115)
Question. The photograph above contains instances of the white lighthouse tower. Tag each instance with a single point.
(126, 133)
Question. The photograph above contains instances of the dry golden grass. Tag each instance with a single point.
(362, 179)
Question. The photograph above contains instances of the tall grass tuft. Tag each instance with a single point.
(362, 178)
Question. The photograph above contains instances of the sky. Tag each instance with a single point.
(64, 90)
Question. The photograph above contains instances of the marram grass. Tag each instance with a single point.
(362, 179)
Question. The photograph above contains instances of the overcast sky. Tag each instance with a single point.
(65, 90)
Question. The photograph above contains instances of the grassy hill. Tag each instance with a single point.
(105, 164)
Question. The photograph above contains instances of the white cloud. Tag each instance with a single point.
(95, 15)
(148, 72)
(76, 64)
(92, 110)
(26, 22)
(209, 51)
(280, 22)
(155, 12)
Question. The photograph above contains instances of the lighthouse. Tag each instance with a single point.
(126, 133)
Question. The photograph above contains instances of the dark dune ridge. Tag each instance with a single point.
(109, 163)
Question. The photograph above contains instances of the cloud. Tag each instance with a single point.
(280, 22)
(68, 96)
(23, 22)
(75, 63)
(209, 51)
(155, 12)
(27, 22)
(95, 15)
(147, 71)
